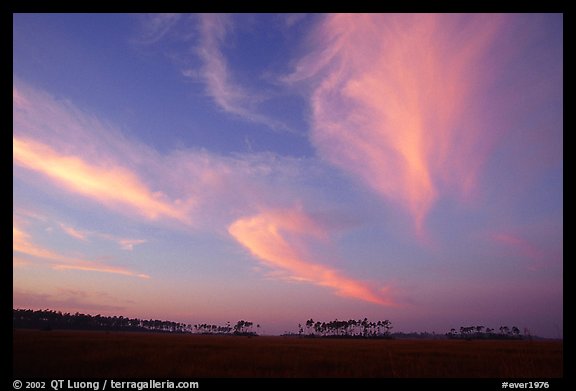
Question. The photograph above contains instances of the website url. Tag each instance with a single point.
(153, 384)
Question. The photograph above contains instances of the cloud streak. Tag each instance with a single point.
(536, 255)
(111, 185)
(124, 243)
(222, 187)
(83, 156)
(22, 243)
(155, 26)
(218, 78)
(128, 244)
(73, 232)
(269, 236)
(392, 102)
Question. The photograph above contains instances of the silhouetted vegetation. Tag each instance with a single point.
(482, 332)
(338, 348)
(56, 320)
(352, 328)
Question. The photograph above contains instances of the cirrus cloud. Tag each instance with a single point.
(22, 243)
(392, 102)
(110, 185)
(267, 237)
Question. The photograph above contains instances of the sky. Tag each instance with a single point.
(276, 168)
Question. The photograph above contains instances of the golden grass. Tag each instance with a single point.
(76, 354)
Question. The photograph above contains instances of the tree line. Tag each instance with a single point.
(49, 320)
(242, 327)
(358, 328)
(482, 332)
(352, 328)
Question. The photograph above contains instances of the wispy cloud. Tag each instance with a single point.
(82, 156)
(100, 268)
(26, 215)
(393, 102)
(153, 27)
(80, 235)
(519, 243)
(537, 257)
(218, 78)
(22, 243)
(55, 139)
(128, 244)
(121, 173)
(205, 43)
(124, 243)
(268, 237)
(111, 185)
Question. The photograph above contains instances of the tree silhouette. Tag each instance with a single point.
(347, 328)
(50, 320)
(482, 332)
(309, 324)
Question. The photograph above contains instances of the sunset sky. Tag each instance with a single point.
(274, 168)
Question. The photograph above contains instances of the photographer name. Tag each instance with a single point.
(121, 385)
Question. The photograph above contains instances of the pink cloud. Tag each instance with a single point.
(111, 185)
(128, 244)
(84, 156)
(536, 255)
(17, 98)
(23, 244)
(101, 269)
(80, 235)
(124, 243)
(515, 241)
(270, 237)
(393, 102)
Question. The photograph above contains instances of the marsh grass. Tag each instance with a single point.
(76, 354)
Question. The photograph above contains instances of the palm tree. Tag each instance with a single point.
(479, 331)
(309, 324)
(352, 325)
(364, 324)
(387, 325)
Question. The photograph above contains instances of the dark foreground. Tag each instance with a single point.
(97, 354)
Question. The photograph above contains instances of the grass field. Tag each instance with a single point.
(76, 354)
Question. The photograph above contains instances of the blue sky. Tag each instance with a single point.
(210, 168)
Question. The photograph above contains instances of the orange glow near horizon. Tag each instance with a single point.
(265, 236)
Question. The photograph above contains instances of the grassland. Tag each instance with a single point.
(77, 354)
